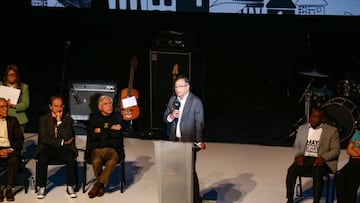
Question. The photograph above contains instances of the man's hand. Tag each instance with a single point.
(97, 130)
(299, 160)
(319, 161)
(175, 114)
(116, 127)
(4, 153)
(69, 141)
(58, 116)
(201, 145)
(10, 104)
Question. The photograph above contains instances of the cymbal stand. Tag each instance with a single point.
(307, 96)
(307, 100)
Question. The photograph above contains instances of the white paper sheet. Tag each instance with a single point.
(10, 93)
(129, 102)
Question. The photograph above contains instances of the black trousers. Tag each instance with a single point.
(347, 181)
(12, 163)
(317, 173)
(63, 154)
(196, 186)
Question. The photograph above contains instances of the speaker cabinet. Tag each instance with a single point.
(164, 66)
(83, 97)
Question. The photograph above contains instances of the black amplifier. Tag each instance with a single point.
(83, 97)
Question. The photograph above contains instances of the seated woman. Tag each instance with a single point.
(105, 143)
(348, 177)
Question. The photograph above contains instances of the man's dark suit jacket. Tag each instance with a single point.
(47, 134)
(15, 134)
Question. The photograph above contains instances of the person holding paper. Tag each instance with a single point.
(11, 78)
(105, 144)
(185, 113)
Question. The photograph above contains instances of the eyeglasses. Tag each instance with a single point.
(4, 106)
(11, 74)
(180, 86)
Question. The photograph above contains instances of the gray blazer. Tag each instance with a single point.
(329, 146)
(192, 119)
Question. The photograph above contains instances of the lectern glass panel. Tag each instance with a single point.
(175, 171)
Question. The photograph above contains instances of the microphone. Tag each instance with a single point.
(176, 104)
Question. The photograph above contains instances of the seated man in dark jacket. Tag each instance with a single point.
(56, 141)
(11, 143)
(104, 143)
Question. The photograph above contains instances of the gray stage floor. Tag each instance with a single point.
(228, 173)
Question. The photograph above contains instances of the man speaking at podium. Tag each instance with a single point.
(185, 113)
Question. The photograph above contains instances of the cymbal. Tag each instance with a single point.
(314, 73)
(322, 91)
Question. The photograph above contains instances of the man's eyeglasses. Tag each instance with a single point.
(180, 86)
(4, 106)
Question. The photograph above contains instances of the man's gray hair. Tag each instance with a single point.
(102, 97)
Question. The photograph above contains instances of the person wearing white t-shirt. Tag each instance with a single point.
(316, 151)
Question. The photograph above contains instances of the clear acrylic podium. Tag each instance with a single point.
(174, 162)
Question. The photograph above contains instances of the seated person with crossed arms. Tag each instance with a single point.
(105, 143)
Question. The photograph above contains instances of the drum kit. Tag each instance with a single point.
(341, 109)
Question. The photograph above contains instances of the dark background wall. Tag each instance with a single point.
(246, 68)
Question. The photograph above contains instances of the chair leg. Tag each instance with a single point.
(300, 187)
(333, 190)
(22, 171)
(328, 180)
(84, 177)
(76, 176)
(25, 179)
(36, 175)
(327, 188)
(122, 176)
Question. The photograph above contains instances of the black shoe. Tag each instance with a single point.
(198, 200)
(1, 195)
(9, 195)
